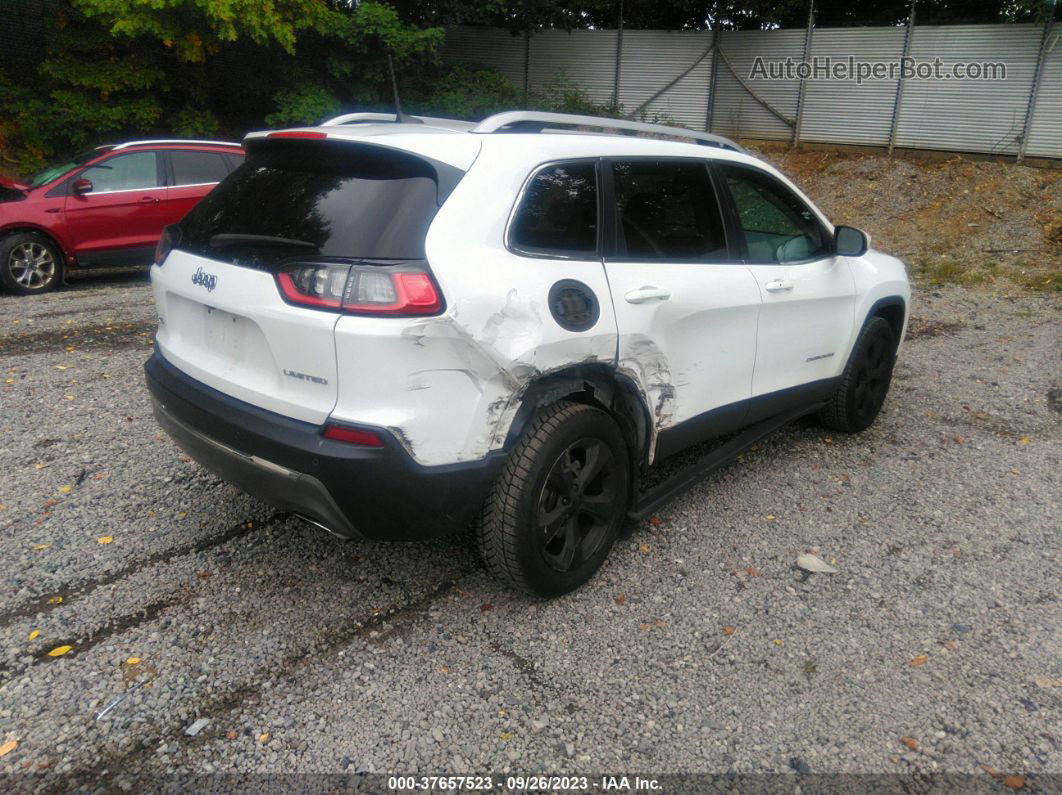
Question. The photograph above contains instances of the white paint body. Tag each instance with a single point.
(449, 385)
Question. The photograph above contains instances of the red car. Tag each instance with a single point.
(103, 208)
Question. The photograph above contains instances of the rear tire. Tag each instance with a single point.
(30, 264)
(865, 381)
(559, 502)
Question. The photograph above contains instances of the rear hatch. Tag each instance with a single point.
(222, 318)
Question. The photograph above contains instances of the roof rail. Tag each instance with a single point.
(172, 141)
(369, 118)
(538, 121)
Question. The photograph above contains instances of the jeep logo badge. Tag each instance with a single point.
(204, 279)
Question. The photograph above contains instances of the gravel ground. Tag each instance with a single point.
(698, 649)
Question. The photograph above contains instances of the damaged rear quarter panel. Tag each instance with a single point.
(449, 386)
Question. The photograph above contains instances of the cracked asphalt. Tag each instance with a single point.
(698, 649)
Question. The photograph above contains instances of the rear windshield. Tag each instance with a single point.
(333, 200)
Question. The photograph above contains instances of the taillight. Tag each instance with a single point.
(358, 436)
(171, 237)
(360, 289)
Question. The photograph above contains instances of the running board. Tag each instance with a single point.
(649, 502)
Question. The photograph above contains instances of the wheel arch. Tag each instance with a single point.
(68, 259)
(596, 385)
(892, 309)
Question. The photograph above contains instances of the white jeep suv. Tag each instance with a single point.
(401, 328)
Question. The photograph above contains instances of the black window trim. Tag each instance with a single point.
(735, 252)
(734, 219)
(520, 195)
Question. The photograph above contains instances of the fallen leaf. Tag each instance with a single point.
(263, 737)
(777, 641)
(55, 600)
(1046, 681)
(65, 489)
(133, 661)
(1014, 782)
(232, 734)
(910, 742)
(203, 575)
(444, 670)
(770, 517)
(814, 563)
(752, 571)
(34, 634)
(506, 736)
(729, 631)
(1024, 440)
(461, 592)
(827, 440)
(655, 520)
(8, 747)
(921, 659)
(182, 514)
(620, 599)
(957, 552)
(486, 607)
(957, 439)
(643, 548)
(105, 539)
(59, 651)
(39, 547)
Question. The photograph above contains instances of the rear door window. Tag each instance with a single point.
(668, 211)
(198, 168)
(352, 201)
(557, 216)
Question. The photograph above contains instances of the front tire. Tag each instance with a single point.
(30, 264)
(559, 503)
(865, 381)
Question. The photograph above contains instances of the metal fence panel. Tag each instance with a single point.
(1045, 133)
(493, 47)
(652, 59)
(736, 113)
(586, 57)
(948, 114)
(846, 111)
(969, 115)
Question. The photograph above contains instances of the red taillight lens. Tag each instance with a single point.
(339, 433)
(360, 289)
(171, 236)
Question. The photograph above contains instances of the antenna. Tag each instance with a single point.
(400, 115)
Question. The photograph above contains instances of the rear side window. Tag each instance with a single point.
(197, 168)
(778, 226)
(668, 210)
(134, 171)
(557, 215)
(336, 200)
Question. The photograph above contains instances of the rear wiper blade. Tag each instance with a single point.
(222, 240)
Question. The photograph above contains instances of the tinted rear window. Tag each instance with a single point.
(346, 200)
(198, 168)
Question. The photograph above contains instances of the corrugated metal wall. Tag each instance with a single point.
(736, 112)
(956, 115)
(846, 111)
(1045, 130)
(970, 115)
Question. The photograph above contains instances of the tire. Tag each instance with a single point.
(30, 264)
(865, 380)
(547, 528)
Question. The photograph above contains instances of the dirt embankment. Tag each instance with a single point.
(950, 219)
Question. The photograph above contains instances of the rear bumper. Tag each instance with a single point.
(377, 493)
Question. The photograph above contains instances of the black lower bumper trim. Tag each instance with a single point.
(377, 493)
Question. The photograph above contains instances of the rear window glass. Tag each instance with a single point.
(197, 168)
(343, 200)
(558, 213)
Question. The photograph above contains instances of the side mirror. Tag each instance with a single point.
(82, 186)
(850, 242)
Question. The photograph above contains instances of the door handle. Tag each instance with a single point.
(647, 293)
(148, 200)
(778, 286)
